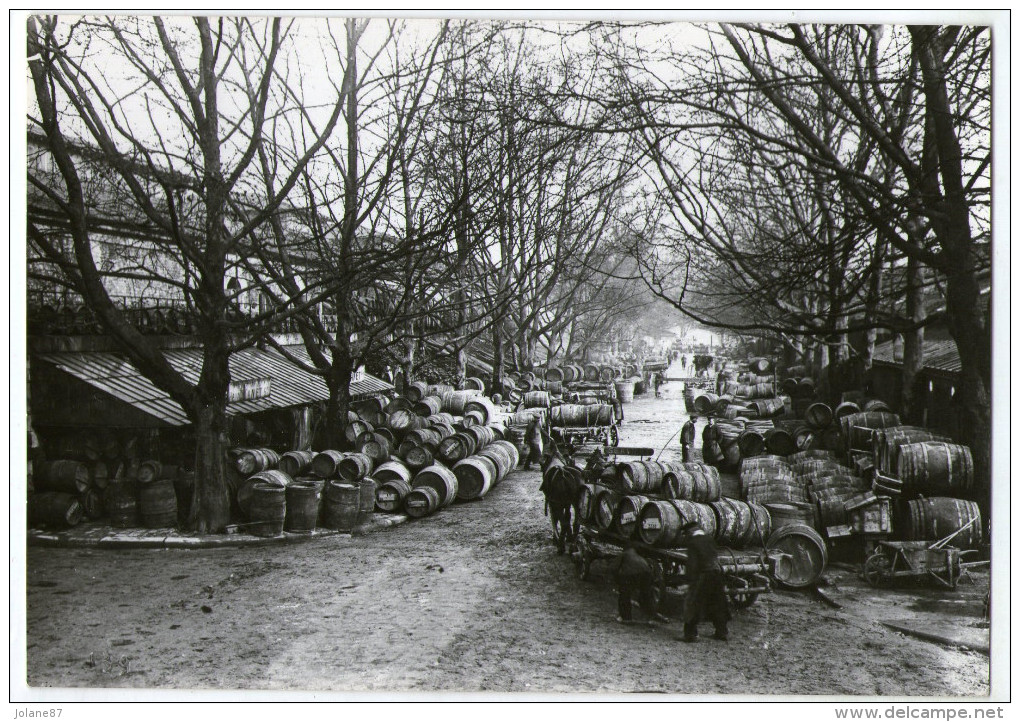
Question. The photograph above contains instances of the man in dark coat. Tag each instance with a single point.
(687, 438)
(634, 575)
(706, 595)
(710, 443)
(533, 438)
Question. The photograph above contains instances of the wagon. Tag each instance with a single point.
(894, 561)
(748, 572)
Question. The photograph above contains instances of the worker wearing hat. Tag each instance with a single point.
(687, 438)
(635, 576)
(706, 595)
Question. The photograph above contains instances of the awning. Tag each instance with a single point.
(289, 385)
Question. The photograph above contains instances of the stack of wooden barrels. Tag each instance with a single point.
(652, 500)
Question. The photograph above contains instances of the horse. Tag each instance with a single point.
(561, 485)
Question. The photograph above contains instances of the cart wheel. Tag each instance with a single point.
(743, 600)
(876, 570)
(614, 437)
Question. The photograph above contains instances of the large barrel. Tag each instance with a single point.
(343, 502)
(417, 457)
(606, 502)
(404, 420)
(641, 476)
(537, 400)
(805, 555)
(659, 523)
(935, 467)
(355, 429)
(501, 458)
(624, 390)
(937, 517)
(421, 501)
(267, 510)
(734, 522)
(389, 495)
(429, 405)
(397, 404)
(71, 477)
(274, 477)
(845, 409)
(511, 451)
(857, 428)
(591, 373)
(152, 469)
(415, 391)
(376, 447)
(454, 402)
(392, 471)
(475, 476)
(555, 374)
(354, 466)
(121, 501)
(251, 461)
(886, 443)
(454, 448)
(439, 478)
(705, 403)
(586, 502)
(483, 405)
(876, 405)
(303, 499)
(818, 415)
(780, 442)
(366, 495)
(628, 513)
(54, 509)
(296, 463)
(325, 463)
(751, 443)
(157, 503)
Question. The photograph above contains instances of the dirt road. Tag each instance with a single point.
(472, 599)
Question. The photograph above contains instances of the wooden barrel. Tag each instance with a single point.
(403, 420)
(326, 463)
(389, 495)
(818, 415)
(473, 383)
(151, 469)
(591, 373)
(397, 404)
(121, 502)
(780, 442)
(416, 391)
(734, 522)
(886, 443)
(537, 400)
(785, 514)
(418, 457)
(705, 403)
(937, 517)
(387, 434)
(99, 475)
(355, 429)
(56, 509)
(554, 374)
(751, 443)
(805, 387)
(454, 402)
(267, 510)
(475, 476)
(354, 466)
(845, 409)
(428, 405)
(606, 502)
(659, 523)
(439, 478)
(274, 477)
(392, 470)
(876, 405)
(482, 405)
(67, 476)
(501, 458)
(421, 501)
(454, 448)
(303, 499)
(296, 463)
(366, 495)
(935, 467)
(249, 461)
(157, 504)
(707, 484)
(811, 454)
(857, 428)
(628, 513)
(511, 451)
(634, 477)
(624, 391)
(790, 387)
(376, 447)
(586, 502)
(343, 502)
(805, 555)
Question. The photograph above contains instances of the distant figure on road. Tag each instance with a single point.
(720, 383)
(633, 575)
(533, 438)
(706, 596)
(687, 437)
(683, 363)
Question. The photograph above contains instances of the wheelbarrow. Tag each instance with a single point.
(894, 561)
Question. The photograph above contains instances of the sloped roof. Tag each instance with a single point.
(939, 355)
(291, 386)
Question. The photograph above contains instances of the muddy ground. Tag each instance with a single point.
(471, 599)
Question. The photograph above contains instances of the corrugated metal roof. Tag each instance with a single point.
(939, 355)
(291, 385)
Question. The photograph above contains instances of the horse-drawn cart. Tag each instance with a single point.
(577, 425)
(748, 572)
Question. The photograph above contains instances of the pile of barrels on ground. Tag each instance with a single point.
(627, 379)
(927, 476)
(413, 456)
(67, 491)
(651, 501)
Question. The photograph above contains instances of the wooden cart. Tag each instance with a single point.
(748, 572)
(894, 561)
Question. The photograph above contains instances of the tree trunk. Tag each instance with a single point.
(497, 359)
(913, 343)
(210, 505)
(339, 383)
